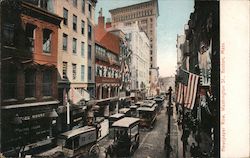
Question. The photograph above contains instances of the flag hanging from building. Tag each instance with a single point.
(187, 88)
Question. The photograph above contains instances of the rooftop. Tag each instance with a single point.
(125, 122)
(78, 131)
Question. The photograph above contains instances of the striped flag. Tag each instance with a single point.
(187, 88)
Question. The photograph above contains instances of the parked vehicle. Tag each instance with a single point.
(125, 111)
(147, 116)
(126, 137)
(79, 142)
(133, 110)
(159, 100)
(115, 117)
(112, 119)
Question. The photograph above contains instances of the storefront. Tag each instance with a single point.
(28, 127)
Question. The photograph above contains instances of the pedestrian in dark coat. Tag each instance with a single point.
(167, 145)
(194, 151)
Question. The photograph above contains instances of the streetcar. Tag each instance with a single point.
(126, 137)
(147, 116)
(112, 119)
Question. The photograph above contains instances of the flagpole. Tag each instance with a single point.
(183, 128)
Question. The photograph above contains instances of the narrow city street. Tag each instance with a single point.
(152, 141)
(76, 74)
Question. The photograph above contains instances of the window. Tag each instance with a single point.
(82, 49)
(74, 22)
(30, 80)
(75, 3)
(74, 45)
(74, 71)
(82, 27)
(89, 52)
(89, 32)
(47, 82)
(9, 82)
(8, 34)
(47, 40)
(89, 73)
(65, 41)
(83, 6)
(90, 13)
(82, 72)
(65, 16)
(65, 65)
(29, 32)
(151, 58)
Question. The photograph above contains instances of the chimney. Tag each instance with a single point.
(101, 20)
(108, 23)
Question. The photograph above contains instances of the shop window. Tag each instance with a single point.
(82, 49)
(9, 82)
(74, 22)
(30, 83)
(90, 10)
(89, 32)
(82, 27)
(65, 69)
(65, 41)
(89, 73)
(89, 52)
(47, 83)
(74, 46)
(47, 34)
(82, 72)
(75, 3)
(74, 71)
(83, 6)
(65, 16)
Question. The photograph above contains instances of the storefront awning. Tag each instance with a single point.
(30, 104)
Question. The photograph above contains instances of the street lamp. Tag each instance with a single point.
(169, 112)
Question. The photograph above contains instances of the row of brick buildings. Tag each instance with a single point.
(198, 53)
(38, 66)
(52, 53)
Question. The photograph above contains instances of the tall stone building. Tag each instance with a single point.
(76, 58)
(145, 14)
(140, 49)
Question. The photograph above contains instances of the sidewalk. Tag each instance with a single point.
(205, 143)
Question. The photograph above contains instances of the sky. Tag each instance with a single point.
(174, 14)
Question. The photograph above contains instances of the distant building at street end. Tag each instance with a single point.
(145, 14)
(165, 83)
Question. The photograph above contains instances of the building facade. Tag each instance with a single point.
(108, 69)
(145, 14)
(180, 44)
(76, 57)
(200, 56)
(29, 76)
(140, 58)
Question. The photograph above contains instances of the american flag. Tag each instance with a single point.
(187, 86)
